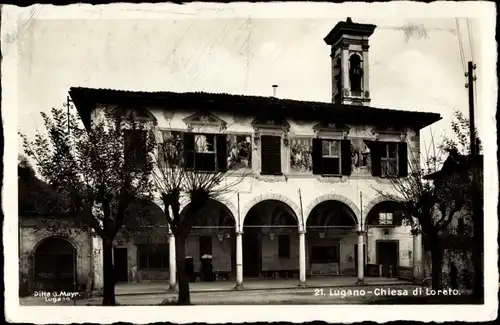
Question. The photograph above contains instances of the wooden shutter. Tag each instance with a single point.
(346, 157)
(270, 155)
(127, 147)
(403, 159)
(316, 156)
(221, 151)
(135, 147)
(375, 152)
(188, 151)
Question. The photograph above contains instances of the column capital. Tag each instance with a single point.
(239, 232)
(360, 232)
(302, 232)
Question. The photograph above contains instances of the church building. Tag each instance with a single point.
(310, 202)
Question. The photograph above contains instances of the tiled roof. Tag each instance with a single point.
(86, 98)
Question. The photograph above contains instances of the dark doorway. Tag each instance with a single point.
(205, 245)
(388, 256)
(120, 264)
(251, 254)
(356, 257)
(55, 265)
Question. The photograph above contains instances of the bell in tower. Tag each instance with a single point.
(349, 53)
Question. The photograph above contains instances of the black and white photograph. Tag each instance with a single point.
(209, 162)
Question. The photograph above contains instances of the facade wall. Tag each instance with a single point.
(300, 190)
(401, 234)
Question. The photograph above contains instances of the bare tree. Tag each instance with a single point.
(97, 174)
(424, 206)
(177, 177)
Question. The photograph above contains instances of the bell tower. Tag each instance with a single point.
(350, 66)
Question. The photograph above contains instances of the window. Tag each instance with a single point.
(389, 159)
(205, 152)
(385, 218)
(134, 147)
(270, 155)
(284, 246)
(205, 243)
(331, 157)
(324, 254)
(153, 256)
(239, 151)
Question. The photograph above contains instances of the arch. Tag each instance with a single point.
(228, 206)
(372, 204)
(42, 241)
(55, 264)
(333, 197)
(376, 202)
(272, 197)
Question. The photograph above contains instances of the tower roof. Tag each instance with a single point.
(348, 27)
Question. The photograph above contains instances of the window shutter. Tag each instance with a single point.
(221, 150)
(127, 146)
(346, 157)
(316, 156)
(271, 155)
(188, 150)
(403, 159)
(375, 151)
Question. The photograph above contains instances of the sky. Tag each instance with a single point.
(415, 64)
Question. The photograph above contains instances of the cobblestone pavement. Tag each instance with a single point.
(338, 295)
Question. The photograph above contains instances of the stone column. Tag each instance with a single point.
(361, 258)
(417, 255)
(171, 262)
(97, 259)
(239, 260)
(366, 69)
(302, 258)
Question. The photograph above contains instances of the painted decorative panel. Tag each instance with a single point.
(301, 155)
(239, 151)
(361, 162)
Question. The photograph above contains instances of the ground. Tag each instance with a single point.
(327, 290)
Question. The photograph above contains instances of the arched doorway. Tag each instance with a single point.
(55, 265)
(270, 241)
(381, 223)
(331, 239)
(213, 234)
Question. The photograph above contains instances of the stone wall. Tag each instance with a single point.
(31, 234)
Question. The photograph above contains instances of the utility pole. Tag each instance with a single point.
(68, 101)
(478, 222)
(470, 85)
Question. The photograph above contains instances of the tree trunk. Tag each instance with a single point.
(108, 273)
(437, 261)
(180, 253)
